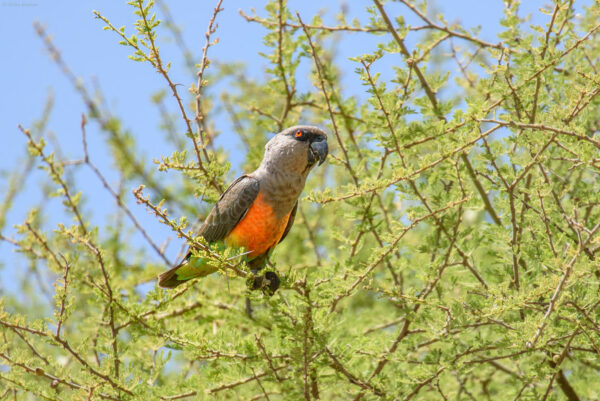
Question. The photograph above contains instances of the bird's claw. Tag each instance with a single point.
(268, 283)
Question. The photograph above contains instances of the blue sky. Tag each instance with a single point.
(29, 76)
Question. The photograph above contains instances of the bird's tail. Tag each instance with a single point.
(190, 268)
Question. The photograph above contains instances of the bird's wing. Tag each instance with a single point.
(231, 207)
(290, 222)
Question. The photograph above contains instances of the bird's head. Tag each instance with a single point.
(296, 149)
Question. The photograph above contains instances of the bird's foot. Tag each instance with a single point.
(268, 283)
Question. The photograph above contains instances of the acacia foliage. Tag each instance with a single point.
(447, 250)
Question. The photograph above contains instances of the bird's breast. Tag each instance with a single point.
(260, 229)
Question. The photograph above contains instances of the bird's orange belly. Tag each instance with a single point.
(259, 230)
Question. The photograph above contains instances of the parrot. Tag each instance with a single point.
(257, 211)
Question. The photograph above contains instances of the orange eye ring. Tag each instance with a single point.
(299, 134)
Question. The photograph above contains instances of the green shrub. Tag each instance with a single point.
(447, 250)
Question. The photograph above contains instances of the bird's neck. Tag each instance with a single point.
(280, 188)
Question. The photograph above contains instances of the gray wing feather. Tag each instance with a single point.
(231, 207)
(290, 222)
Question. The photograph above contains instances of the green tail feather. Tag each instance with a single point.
(187, 270)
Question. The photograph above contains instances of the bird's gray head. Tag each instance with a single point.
(296, 150)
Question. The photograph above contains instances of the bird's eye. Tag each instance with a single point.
(299, 134)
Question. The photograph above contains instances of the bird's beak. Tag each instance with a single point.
(318, 151)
